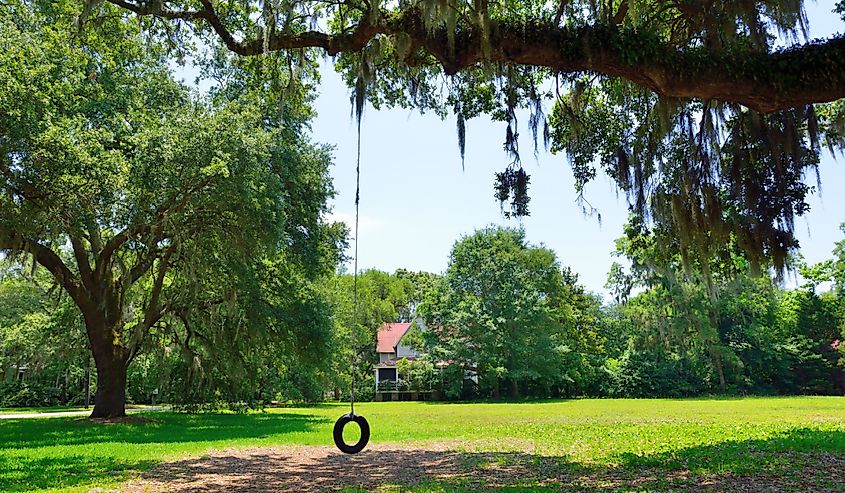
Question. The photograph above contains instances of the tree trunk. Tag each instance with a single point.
(111, 362)
(87, 380)
(717, 360)
(716, 355)
(514, 389)
(110, 400)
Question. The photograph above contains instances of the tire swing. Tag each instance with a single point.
(338, 433)
(352, 417)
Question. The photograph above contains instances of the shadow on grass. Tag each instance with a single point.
(32, 455)
(796, 461)
(785, 453)
(164, 428)
(24, 475)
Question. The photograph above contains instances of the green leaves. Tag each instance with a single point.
(679, 338)
(506, 311)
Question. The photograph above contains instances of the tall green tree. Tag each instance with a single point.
(506, 311)
(689, 331)
(421, 283)
(837, 265)
(158, 195)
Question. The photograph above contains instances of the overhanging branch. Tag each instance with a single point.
(766, 82)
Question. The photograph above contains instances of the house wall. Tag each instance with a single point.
(382, 357)
(403, 351)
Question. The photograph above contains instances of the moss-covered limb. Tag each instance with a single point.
(765, 81)
(12, 241)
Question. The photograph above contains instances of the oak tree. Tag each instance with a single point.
(152, 207)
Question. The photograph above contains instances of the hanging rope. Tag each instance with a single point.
(355, 272)
(347, 418)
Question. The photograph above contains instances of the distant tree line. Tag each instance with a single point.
(505, 320)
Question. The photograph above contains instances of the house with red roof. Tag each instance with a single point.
(391, 348)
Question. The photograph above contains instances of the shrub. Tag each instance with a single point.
(24, 394)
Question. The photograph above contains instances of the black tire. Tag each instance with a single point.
(338, 433)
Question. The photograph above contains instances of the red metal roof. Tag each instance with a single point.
(389, 336)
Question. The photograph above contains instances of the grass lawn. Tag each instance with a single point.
(794, 440)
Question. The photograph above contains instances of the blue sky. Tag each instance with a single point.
(416, 200)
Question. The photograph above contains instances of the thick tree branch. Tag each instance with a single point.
(207, 14)
(812, 73)
(766, 82)
(81, 255)
(145, 263)
(140, 268)
(104, 259)
(177, 202)
(94, 237)
(619, 17)
(154, 309)
(12, 241)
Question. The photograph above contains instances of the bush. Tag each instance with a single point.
(639, 374)
(23, 394)
(364, 389)
(810, 371)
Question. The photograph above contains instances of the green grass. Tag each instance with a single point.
(777, 437)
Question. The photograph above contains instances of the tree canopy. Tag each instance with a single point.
(507, 312)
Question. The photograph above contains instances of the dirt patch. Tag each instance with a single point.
(302, 469)
(397, 468)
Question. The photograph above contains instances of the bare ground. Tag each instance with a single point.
(393, 468)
